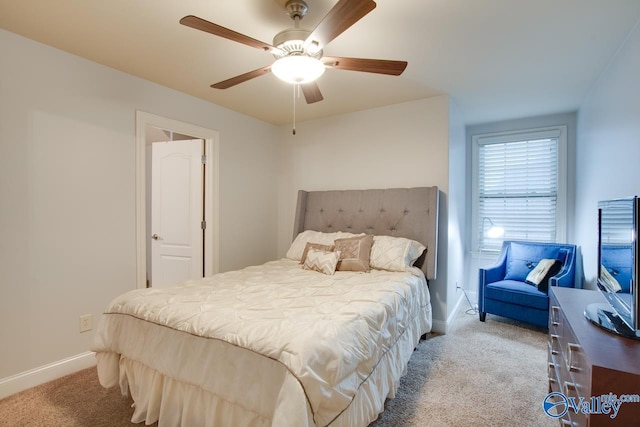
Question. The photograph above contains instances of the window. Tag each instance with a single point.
(519, 184)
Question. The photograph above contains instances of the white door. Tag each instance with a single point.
(177, 212)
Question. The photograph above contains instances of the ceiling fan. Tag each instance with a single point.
(298, 52)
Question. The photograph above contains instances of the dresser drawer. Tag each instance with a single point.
(567, 364)
(576, 363)
(555, 321)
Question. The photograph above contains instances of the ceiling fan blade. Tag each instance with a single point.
(241, 78)
(220, 31)
(343, 15)
(378, 66)
(311, 92)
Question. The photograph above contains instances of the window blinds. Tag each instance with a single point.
(617, 223)
(517, 190)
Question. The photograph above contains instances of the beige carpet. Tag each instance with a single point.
(480, 374)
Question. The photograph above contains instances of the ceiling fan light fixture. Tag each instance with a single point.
(298, 69)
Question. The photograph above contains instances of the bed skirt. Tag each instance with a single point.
(234, 386)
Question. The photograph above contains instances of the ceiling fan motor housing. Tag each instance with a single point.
(291, 42)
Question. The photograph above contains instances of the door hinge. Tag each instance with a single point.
(204, 159)
(203, 225)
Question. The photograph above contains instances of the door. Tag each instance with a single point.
(177, 212)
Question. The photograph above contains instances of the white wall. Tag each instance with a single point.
(403, 145)
(67, 181)
(608, 152)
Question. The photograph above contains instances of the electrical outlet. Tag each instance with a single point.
(86, 322)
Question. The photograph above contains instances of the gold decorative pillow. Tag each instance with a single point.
(354, 253)
(321, 261)
(301, 240)
(320, 246)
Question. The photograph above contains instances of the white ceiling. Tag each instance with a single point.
(498, 59)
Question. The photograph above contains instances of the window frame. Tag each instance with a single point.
(559, 132)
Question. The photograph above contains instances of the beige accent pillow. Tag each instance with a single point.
(354, 253)
(543, 271)
(394, 253)
(320, 246)
(300, 242)
(321, 261)
(609, 281)
(536, 276)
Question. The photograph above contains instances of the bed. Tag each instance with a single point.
(284, 343)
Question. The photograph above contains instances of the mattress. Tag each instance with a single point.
(266, 345)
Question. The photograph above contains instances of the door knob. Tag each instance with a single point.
(155, 237)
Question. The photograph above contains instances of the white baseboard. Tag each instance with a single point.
(443, 327)
(24, 380)
(439, 327)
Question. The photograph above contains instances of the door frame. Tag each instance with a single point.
(211, 199)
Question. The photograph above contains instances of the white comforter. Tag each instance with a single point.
(329, 333)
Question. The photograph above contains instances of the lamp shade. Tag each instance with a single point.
(494, 231)
(297, 69)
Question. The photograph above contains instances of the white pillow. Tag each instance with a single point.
(309, 236)
(394, 253)
(321, 261)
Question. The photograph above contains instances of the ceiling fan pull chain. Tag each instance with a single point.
(295, 88)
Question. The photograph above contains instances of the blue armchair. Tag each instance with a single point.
(502, 289)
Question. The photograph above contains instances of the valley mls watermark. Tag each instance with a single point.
(556, 404)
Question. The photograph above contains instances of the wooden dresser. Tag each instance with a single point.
(585, 361)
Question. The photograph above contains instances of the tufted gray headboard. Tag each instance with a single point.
(398, 212)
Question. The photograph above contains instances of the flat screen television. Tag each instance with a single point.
(618, 272)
